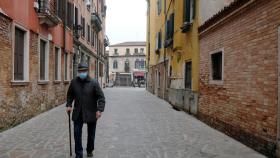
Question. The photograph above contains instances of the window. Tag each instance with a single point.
(83, 26)
(70, 14)
(88, 60)
(115, 64)
(137, 64)
(21, 54)
(76, 17)
(66, 66)
(88, 33)
(59, 7)
(127, 51)
(159, 6)
(169, 31)
(92, 37)
(158, 41)
(189, 15)
(135, 50)
(189, 10)
(126, 66)
(217, 66)
(115, 51)
(142, 64)
(95, 40)
(44, 62)
(142, 50)
(57, 64)
(188, 75)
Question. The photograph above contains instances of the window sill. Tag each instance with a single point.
(19, 83)
(43, 82)
(216, 82)
(57, 81)
(66, 82)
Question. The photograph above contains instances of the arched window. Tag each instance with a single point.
(115, 64)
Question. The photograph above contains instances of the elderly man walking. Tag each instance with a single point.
(88, 107)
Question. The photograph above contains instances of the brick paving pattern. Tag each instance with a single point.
(135, 124)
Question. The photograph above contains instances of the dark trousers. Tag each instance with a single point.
(78, 125)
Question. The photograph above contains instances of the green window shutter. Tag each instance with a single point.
(171, 23)
(194, 9)
(187, 11)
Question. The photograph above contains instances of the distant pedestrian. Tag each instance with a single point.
(88, 107)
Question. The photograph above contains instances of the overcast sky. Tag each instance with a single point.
(126, 20)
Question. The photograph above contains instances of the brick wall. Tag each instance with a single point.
(245, 105)
(19, 103)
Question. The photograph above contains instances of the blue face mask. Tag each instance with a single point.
(83, 75)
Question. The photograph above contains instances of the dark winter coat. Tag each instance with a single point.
(85, 93)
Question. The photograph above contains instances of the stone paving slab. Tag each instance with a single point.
(136, 124)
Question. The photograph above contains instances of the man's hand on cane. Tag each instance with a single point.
(69, 109)
(98, 114)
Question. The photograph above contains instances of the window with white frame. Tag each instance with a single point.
(21, 54)
(217, 66)
(115, 64)
(44, 60)
(57, 64)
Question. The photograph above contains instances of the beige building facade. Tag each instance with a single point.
(127, 58)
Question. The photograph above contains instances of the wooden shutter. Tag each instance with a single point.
(19, 54)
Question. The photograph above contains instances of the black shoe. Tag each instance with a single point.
(89, 154)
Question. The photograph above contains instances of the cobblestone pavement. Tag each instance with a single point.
(135, 124)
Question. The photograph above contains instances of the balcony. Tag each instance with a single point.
(96, 22)
(47, 13)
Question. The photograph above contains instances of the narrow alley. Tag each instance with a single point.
(135, 124)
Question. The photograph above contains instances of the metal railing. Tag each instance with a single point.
(47, 7)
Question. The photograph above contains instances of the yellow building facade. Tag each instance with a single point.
(173, 51)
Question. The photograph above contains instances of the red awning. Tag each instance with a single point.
(139, 74)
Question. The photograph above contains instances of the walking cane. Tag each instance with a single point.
(69, 120)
